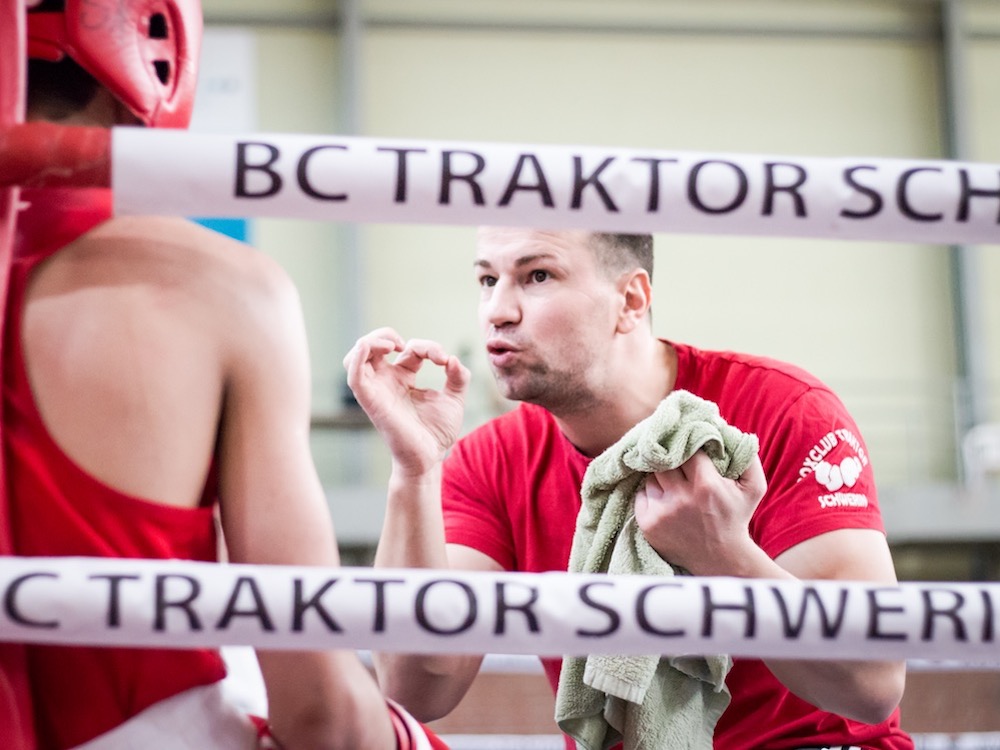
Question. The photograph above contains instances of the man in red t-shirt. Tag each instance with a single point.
(566, 319)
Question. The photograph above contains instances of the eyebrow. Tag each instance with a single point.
(524, 260)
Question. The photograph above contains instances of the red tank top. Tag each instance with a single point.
(58, 509)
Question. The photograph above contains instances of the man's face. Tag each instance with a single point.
(547, 312)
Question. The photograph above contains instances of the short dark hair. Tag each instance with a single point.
(57, 90)
(618, 253)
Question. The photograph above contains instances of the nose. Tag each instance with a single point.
(502, 305)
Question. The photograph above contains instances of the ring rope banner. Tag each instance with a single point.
(606, 189)
(179, 604)
(334, 178)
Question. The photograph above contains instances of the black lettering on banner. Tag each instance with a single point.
(987, 635)
(258, 611)
(470, 617)
(741, 192)
(873, 195)
(771, 187)
(904, 202)
(11, 609)
(302, 173)
(875, 610)
(401, 153)
(183, 603)
(830, 626)
(969, 192)
(540, 185)
(951, 612)
(640, 611)
(380, 583)
(593, 180)
(503, 606)
(614, 619)
(653, 204)
(749, 630)
(301, 606)
(448, 175)
(243, 166)
(114, 615)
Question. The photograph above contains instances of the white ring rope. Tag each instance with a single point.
(188, 604)
(183, 173)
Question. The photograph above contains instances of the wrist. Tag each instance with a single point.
(750, 562)
(411, 477)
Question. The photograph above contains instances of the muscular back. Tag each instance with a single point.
(129, 334)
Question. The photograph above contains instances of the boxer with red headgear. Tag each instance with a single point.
(156, 372)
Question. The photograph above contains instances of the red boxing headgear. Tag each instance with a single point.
(145, 52)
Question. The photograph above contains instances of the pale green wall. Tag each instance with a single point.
(984, 106)
(299, 87)
(874, 319)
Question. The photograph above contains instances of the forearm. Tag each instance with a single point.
(429, 686)
(324, 701)
(865, 691)
(413, 529)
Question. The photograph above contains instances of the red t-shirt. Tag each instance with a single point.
(512, 491)
(58, 509)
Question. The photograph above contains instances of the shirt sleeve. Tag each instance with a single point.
(819, 475)
(472, 492)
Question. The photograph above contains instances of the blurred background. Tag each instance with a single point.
(907, 334)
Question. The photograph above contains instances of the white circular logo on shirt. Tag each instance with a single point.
(837, 476)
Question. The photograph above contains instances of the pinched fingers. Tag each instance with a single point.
(416, 351)
(368, 360)
(377, 344)
(457, 376)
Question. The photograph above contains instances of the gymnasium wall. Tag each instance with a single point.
(785, 77)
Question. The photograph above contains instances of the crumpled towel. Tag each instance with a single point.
(650, 702)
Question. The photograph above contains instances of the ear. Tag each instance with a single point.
(637, 295)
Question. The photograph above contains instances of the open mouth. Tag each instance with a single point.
(499, 347)
(501, 353)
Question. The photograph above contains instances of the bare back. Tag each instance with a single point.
(128, 333)
(155, 346)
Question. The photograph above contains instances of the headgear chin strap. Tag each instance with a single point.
(145, 52)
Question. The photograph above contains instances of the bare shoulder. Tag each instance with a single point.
(170, 274)
(204, 267)
(188, 243)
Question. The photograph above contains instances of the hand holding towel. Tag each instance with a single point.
(650, 702)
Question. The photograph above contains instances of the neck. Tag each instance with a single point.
(633, 390)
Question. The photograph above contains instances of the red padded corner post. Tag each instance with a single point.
(15, 696)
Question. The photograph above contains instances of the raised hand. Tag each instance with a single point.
(418, 424)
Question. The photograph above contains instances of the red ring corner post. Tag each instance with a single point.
(15, 696)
